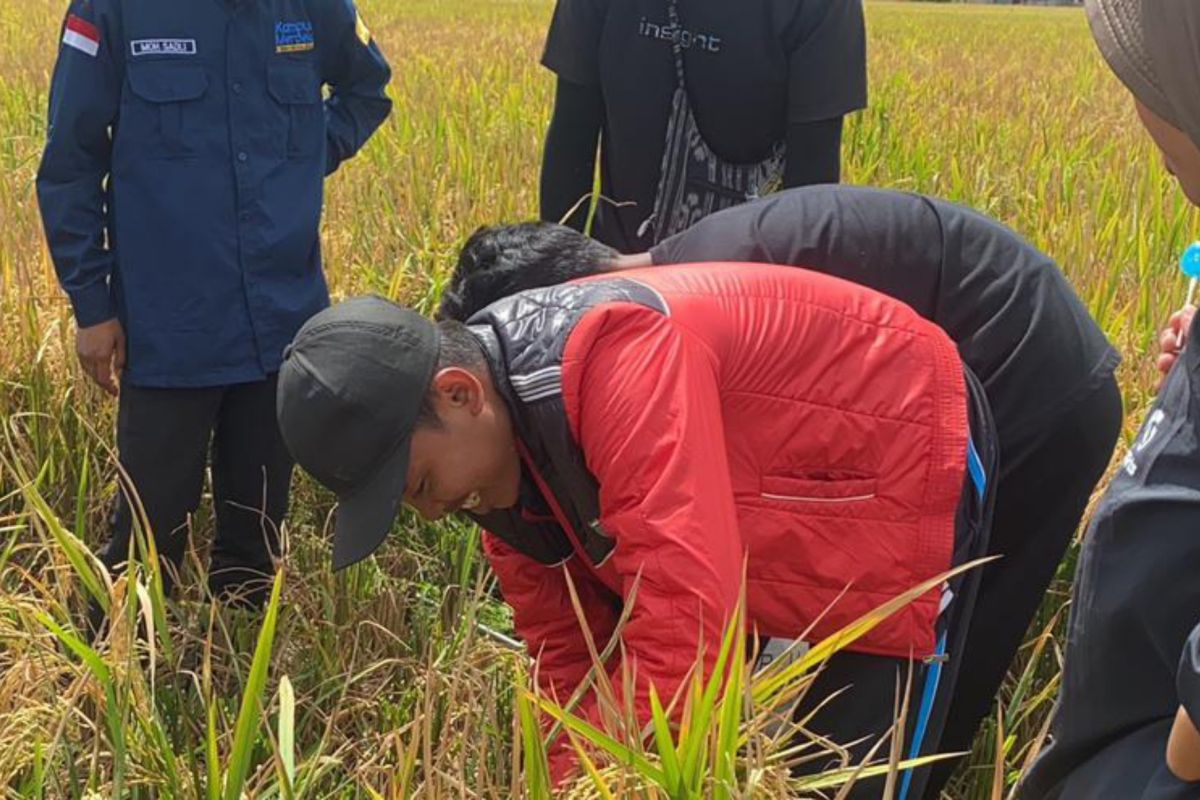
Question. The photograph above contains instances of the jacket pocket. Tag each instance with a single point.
(162, 117)
(297, 93)
(830, 486)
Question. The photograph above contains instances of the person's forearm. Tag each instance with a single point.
(1183, 748)
(569, 159)
(814, 153)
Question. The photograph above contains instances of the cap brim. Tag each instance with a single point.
(365, 516)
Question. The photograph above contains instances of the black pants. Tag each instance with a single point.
(870, 689)
(868, 692)
(164, 437)
(853, 701)
(1042, 494)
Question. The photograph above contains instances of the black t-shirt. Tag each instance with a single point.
(1017, 323)
(752, 67)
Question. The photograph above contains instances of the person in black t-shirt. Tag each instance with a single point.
(767, 83)
(1045, 365)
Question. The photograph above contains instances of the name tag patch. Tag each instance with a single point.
(163, 47)
(293, 37)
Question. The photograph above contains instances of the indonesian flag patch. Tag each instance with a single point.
(82, 35)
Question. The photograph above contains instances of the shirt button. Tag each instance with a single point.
(242, 156)
(237, 88)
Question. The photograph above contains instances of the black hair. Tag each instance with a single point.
(501, 260)
(458, 348)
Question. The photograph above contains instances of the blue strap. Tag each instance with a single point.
(928, 696)
(934, 676)
(975, 469)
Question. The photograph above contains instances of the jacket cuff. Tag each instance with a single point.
(92, 304)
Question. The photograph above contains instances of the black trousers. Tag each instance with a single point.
(164, 439)
(1042, 494)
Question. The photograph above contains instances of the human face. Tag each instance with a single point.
(469, 461)
(1180, 153)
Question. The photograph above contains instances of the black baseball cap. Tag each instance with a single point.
(350, 391)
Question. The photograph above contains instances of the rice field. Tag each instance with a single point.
(383, 681)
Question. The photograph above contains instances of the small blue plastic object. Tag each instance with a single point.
(1189, 262)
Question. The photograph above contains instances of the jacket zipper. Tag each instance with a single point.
(560, 517)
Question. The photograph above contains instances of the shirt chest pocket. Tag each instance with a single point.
(301, 114)
(163, 116)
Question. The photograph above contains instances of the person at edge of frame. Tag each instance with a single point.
(1125, 721)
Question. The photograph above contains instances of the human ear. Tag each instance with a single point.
(459, 388)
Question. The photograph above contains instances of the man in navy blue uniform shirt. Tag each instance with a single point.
(181, 192)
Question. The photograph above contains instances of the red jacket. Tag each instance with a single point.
(813, 428)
